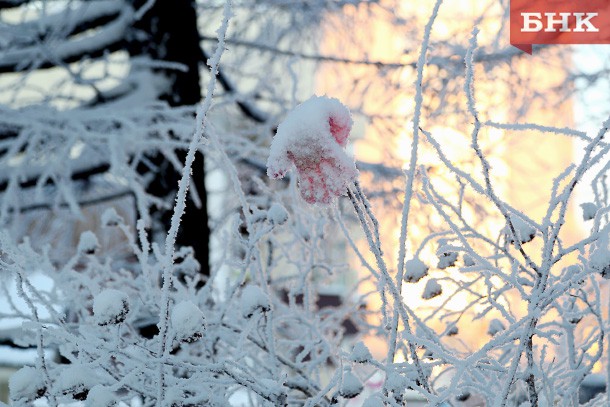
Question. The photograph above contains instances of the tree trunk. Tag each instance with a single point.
(173, 36)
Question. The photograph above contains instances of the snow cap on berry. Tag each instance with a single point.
(111, 307)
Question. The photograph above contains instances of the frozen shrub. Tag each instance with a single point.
(111, 307)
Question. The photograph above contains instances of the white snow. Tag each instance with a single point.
(111, 307)
(589, 209)
(88, 243)
(74, 380)
(452, 330)
(447, 260)
(277, 214)
(396, 383)
(351, 386)
(495, 326)
(468, 260)
(42, 283)
(373, 401)
(599, 261)
(415, 270)
(100, 396)
(433, 289)
(525, 231)
(188, 321)
(27, 383)
(110, 217)
(360, 353)
(252, 299)
(312, 138)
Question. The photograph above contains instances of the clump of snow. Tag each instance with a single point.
(495, 326)
(188, 321)
(189, 265)
(313, 137)
(452, 330)
(360, 353)
(468, 260)
(111, 307)
(415, 270)
(589, 209)
(396, 383)
(351, 386)
(433, 289)
(525, 231)
(571, 271)
(277, 214)
(110, 217)
(447, 260)
(26, 384)
(573, 316)
(463, 396)
(253, 299)
(76, 381)
(87, 243)
(599, 261)
(101, 396)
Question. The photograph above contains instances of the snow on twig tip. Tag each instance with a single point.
(253, 299)
(101, 396)
(495, 326)
(277, 214)
(111, 307)
(351, 386)
(525, 231)
(415, 270)
(433, 289)
(26, 384)
(110, 217)
(360, 353)
(313, 137)
(589, 209)
(188, 321)
(88, 243)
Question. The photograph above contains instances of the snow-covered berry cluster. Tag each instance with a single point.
(111, 307)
